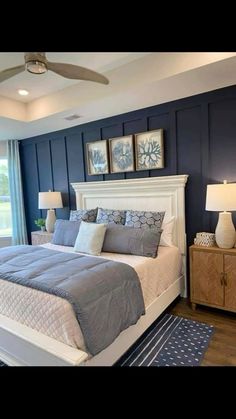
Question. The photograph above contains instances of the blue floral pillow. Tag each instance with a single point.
(144, 219)
(110, 216)
(84, 215)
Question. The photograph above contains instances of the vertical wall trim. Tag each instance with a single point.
(173, 136)
(50, 152)
(205, 145)
(205, 160)
(147, 129)
(67, 173)
(84, 154)
(37, 169)
(103, 176)
(123, 134)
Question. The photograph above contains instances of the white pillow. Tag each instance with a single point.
(90, 238)
(167, 233)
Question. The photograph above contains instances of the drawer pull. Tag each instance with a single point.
(222, 278)
(225, 279)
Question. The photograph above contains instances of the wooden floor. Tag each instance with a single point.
(222, 347)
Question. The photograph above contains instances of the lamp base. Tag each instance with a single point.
(225, 231)
(50, 220)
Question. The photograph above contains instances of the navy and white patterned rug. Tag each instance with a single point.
(173, 341)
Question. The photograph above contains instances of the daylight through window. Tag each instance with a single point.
(5, 203)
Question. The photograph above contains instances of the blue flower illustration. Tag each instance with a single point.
(98, 161)
(149, 153)
(122, 155)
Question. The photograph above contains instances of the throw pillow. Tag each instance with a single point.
(90, 238)
(132, 241)
(167, 233)
(144, 219)
(110, 216)
(65, 232)
(84, 215)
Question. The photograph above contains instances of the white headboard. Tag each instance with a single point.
(165, 193)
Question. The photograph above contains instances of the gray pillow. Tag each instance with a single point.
(144, 219)
(65, 232)
(110, 216)
(84, 215)
(132, 241)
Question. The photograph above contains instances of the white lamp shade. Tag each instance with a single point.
(49, 200)
(221, 197)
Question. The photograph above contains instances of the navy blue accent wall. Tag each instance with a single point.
(199, 140)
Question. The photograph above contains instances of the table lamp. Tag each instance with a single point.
(222, 197)
(50, 200)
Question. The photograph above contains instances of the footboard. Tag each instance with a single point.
(23, 346)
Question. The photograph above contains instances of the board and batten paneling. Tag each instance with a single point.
(199, 140)
(75, 161)
(30, 180)
(188, 131)
(59, 168)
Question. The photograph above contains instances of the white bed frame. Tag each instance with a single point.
(20, 345)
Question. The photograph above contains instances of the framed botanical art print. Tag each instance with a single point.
(149, 151)
(121, 152)
(97, 157)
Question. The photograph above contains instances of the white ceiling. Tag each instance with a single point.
(49, 82)
(137, 80)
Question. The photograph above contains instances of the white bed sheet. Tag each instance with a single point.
(55, 317)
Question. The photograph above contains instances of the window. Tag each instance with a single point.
(5, 203)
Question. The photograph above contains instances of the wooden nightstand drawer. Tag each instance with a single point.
(40, 237)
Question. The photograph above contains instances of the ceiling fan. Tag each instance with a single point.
(37, 63)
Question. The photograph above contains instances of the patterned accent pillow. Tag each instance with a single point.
(84, 215)
(144, 219)
(110, 216)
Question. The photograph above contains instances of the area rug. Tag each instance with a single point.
(172, 341)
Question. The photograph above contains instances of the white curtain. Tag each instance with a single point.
(19, 233)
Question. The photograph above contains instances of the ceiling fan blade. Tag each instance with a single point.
(10, 72)
(71, 71)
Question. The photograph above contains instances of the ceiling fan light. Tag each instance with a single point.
(23, 92)
(36, 67)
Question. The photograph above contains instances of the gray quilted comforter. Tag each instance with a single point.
(106, 295)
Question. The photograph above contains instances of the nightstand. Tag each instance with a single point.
(40, 237)
(213, 277)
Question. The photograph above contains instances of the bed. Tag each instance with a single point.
(22, 344)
